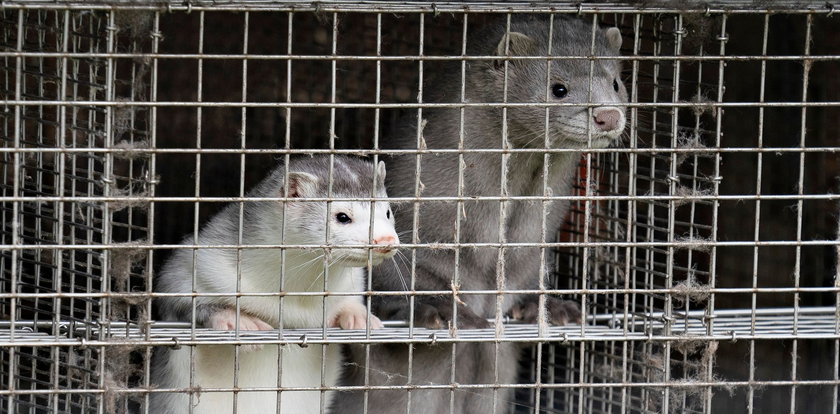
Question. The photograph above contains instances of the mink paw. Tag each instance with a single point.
(432, 312)
(559, 312)
(225, 320)
(439, 315)
(353, 315)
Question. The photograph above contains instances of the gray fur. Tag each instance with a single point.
(570, 127)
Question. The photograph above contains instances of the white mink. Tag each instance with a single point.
(260, 269)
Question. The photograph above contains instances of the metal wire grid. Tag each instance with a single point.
(33, 279)
(662, 179)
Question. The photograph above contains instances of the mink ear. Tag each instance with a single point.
(613, 37)
(514, 44)
(380, 173)
(302, 184)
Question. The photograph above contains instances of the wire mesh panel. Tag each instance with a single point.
(700, 245)
(48, 159)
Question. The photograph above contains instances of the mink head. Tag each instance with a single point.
(342, 221)
(561, 79)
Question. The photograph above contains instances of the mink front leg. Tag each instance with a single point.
(558, 312)
(223, 318)
(433, 312)
(353, 315)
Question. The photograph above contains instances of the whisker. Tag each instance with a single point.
(399, 273)
(336, 261)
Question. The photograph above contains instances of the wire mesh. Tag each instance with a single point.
(702, 247)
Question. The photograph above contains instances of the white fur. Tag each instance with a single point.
(260, 269)
(214, 368)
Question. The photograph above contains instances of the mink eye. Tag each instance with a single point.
(343, 218)
(615, 85)
(388, 213)
(559, 90)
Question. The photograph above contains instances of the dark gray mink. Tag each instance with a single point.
(480, 268)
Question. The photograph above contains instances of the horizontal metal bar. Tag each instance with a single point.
(141, 151)
(414, 58)
(698, 244)
(762, 326)
(698, 197)
(676, 292)
(331, 6)
(630, 319)
(783, 311)
(676, 383)
(425, 105)
(248, 338)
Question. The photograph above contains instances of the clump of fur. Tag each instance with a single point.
(689, 195)
(693, 242)
(690, 141)
(123, 259)
(129, 150)
(691, 290)
(685, 392)
(118, 205)
(136, 23)
(701, 104)
(700, 32)
(122, 262)
(121, 369)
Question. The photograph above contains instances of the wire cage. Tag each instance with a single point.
(702, 247)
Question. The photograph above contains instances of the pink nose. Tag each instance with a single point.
(387, 243)
(607, 119)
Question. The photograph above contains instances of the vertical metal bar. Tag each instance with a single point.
(376, 132)
(60, 189)
(757, 223)
(650, 255)
(376, 117)
(193, 401)
(797, 266)
(240, 229)
(693, 232)
(456, 279)
(328, 222)
(38, 169)
(616, 232)
(151, 183)
(632, 211)
(587, 212)
(542, 324)
(89, 168)
(672, 189)
(283, 251)
(109, 179)
(6, 221)
(15, 208)
(502, 237)
(709, 311)
(76, 210)
(673, 179)
(130, 230)
(415, 236)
